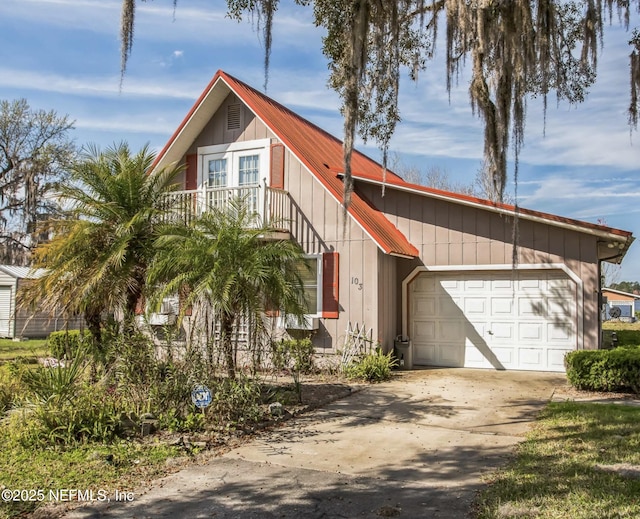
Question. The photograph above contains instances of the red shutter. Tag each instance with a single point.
(276, 179)
(191, 173)
(330, 275)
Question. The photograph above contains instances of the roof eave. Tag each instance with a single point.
(606, 233)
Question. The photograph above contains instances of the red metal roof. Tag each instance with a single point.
(322, 154)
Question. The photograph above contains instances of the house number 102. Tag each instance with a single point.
(356, 281)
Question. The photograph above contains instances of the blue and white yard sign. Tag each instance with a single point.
(201, 396)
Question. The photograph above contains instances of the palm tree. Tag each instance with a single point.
(224, 261)
(97, 260)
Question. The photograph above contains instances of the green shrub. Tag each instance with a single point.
(605, 370)
(92, 414)
(236, 402)
(193, 421)
(51, 385)
(65, 344)
(373, 367)
(295, 354)
(7, 392)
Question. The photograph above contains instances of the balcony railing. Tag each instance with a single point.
(272, 205)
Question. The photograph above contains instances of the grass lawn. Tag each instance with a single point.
(122, 466)
(614, 325)
(553, 474)
(10, 349)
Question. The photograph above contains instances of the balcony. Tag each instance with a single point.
(272, 205)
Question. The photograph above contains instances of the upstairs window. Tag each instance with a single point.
(237, 164)
(218, 173)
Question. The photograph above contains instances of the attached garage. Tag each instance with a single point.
(506, 319)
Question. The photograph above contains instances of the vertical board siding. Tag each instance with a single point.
(387, 297)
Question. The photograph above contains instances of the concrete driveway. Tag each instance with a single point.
(415, 447)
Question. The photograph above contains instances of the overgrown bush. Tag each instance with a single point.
(91, 415)
(153, 385)
(8, 390)
(236, 402)
(65, 344)
(173, 421)
(58, 406)
(605, 370)
(372, 367)
(50, 385)
(294, 354)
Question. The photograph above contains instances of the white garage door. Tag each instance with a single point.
(505, 320)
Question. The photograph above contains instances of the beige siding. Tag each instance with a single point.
(388, 295)
(215, 132)
(318, 225)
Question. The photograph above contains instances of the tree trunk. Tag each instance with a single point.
(94, 324)
(226, 333)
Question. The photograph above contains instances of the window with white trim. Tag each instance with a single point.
(234, 170)
(310, 272)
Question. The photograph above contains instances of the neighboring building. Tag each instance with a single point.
(430, 265)
(21, 323)
(619, 304)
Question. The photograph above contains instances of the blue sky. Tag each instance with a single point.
(65, 55)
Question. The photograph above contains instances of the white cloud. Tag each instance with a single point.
(180, 88)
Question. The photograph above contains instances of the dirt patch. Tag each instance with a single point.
(282, 401)
(568, 392)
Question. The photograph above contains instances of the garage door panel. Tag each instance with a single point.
(531, 358)
(424, 353)
(501, 306)
(555, 359)
(505, 355)
(424, 331)
(502, 285)
(451, 331)
(451, 283)
(474, 306)
(530, 331)
(425, 284)
(559, 307)
(526, 319)
(531, 307)
(450, 355)
(527, 283)
(559, 332)
(423, 306)
(475, 284)
(501, 331)
(474, 328)
(474, 357)
(449, 307)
